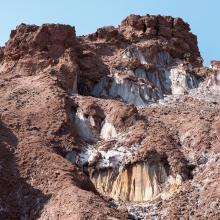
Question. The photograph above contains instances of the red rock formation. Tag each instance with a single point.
(37, 74)
(215, 64)
(56, 138)
(158, 33)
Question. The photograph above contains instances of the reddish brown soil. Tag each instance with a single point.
(38, 68)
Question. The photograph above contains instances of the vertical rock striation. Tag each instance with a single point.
(138, 182)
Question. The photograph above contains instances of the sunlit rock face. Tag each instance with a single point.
(108, 131)
(181, 81)
(166, 151)
(141, 86)
(92, 130)
(138, 182)
(214, 81)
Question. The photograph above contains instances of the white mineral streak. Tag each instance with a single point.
(138, 182)
(87, 155)
(174, 186)
(178, 82)
(167, 80)
(85, 127)
(214, 82)
(90, 131)
(131, 92)
(134, 53)
(181, 81)
(117, 156)
(115, 178)
(114, 157)
(108, 131)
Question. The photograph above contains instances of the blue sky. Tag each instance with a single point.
(88, 15)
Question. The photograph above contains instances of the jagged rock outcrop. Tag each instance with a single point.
(148, 57)
(159, 33)
(32, 50)
(215, 64)
(125, 117)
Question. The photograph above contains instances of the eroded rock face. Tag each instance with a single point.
(50, 38)
(127, 112)
(139, 182)
(86, 127)
(51, 49)
(108, 131)
(157, 33)
(215, 64)
(181, 81)
(144, 63)
(141, 87)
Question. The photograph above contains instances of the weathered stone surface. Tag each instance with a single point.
(137, 183)
(128, 112)
(215, 64)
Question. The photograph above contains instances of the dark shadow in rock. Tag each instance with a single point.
(18, 199)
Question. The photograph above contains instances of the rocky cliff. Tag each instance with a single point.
(119, 124)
